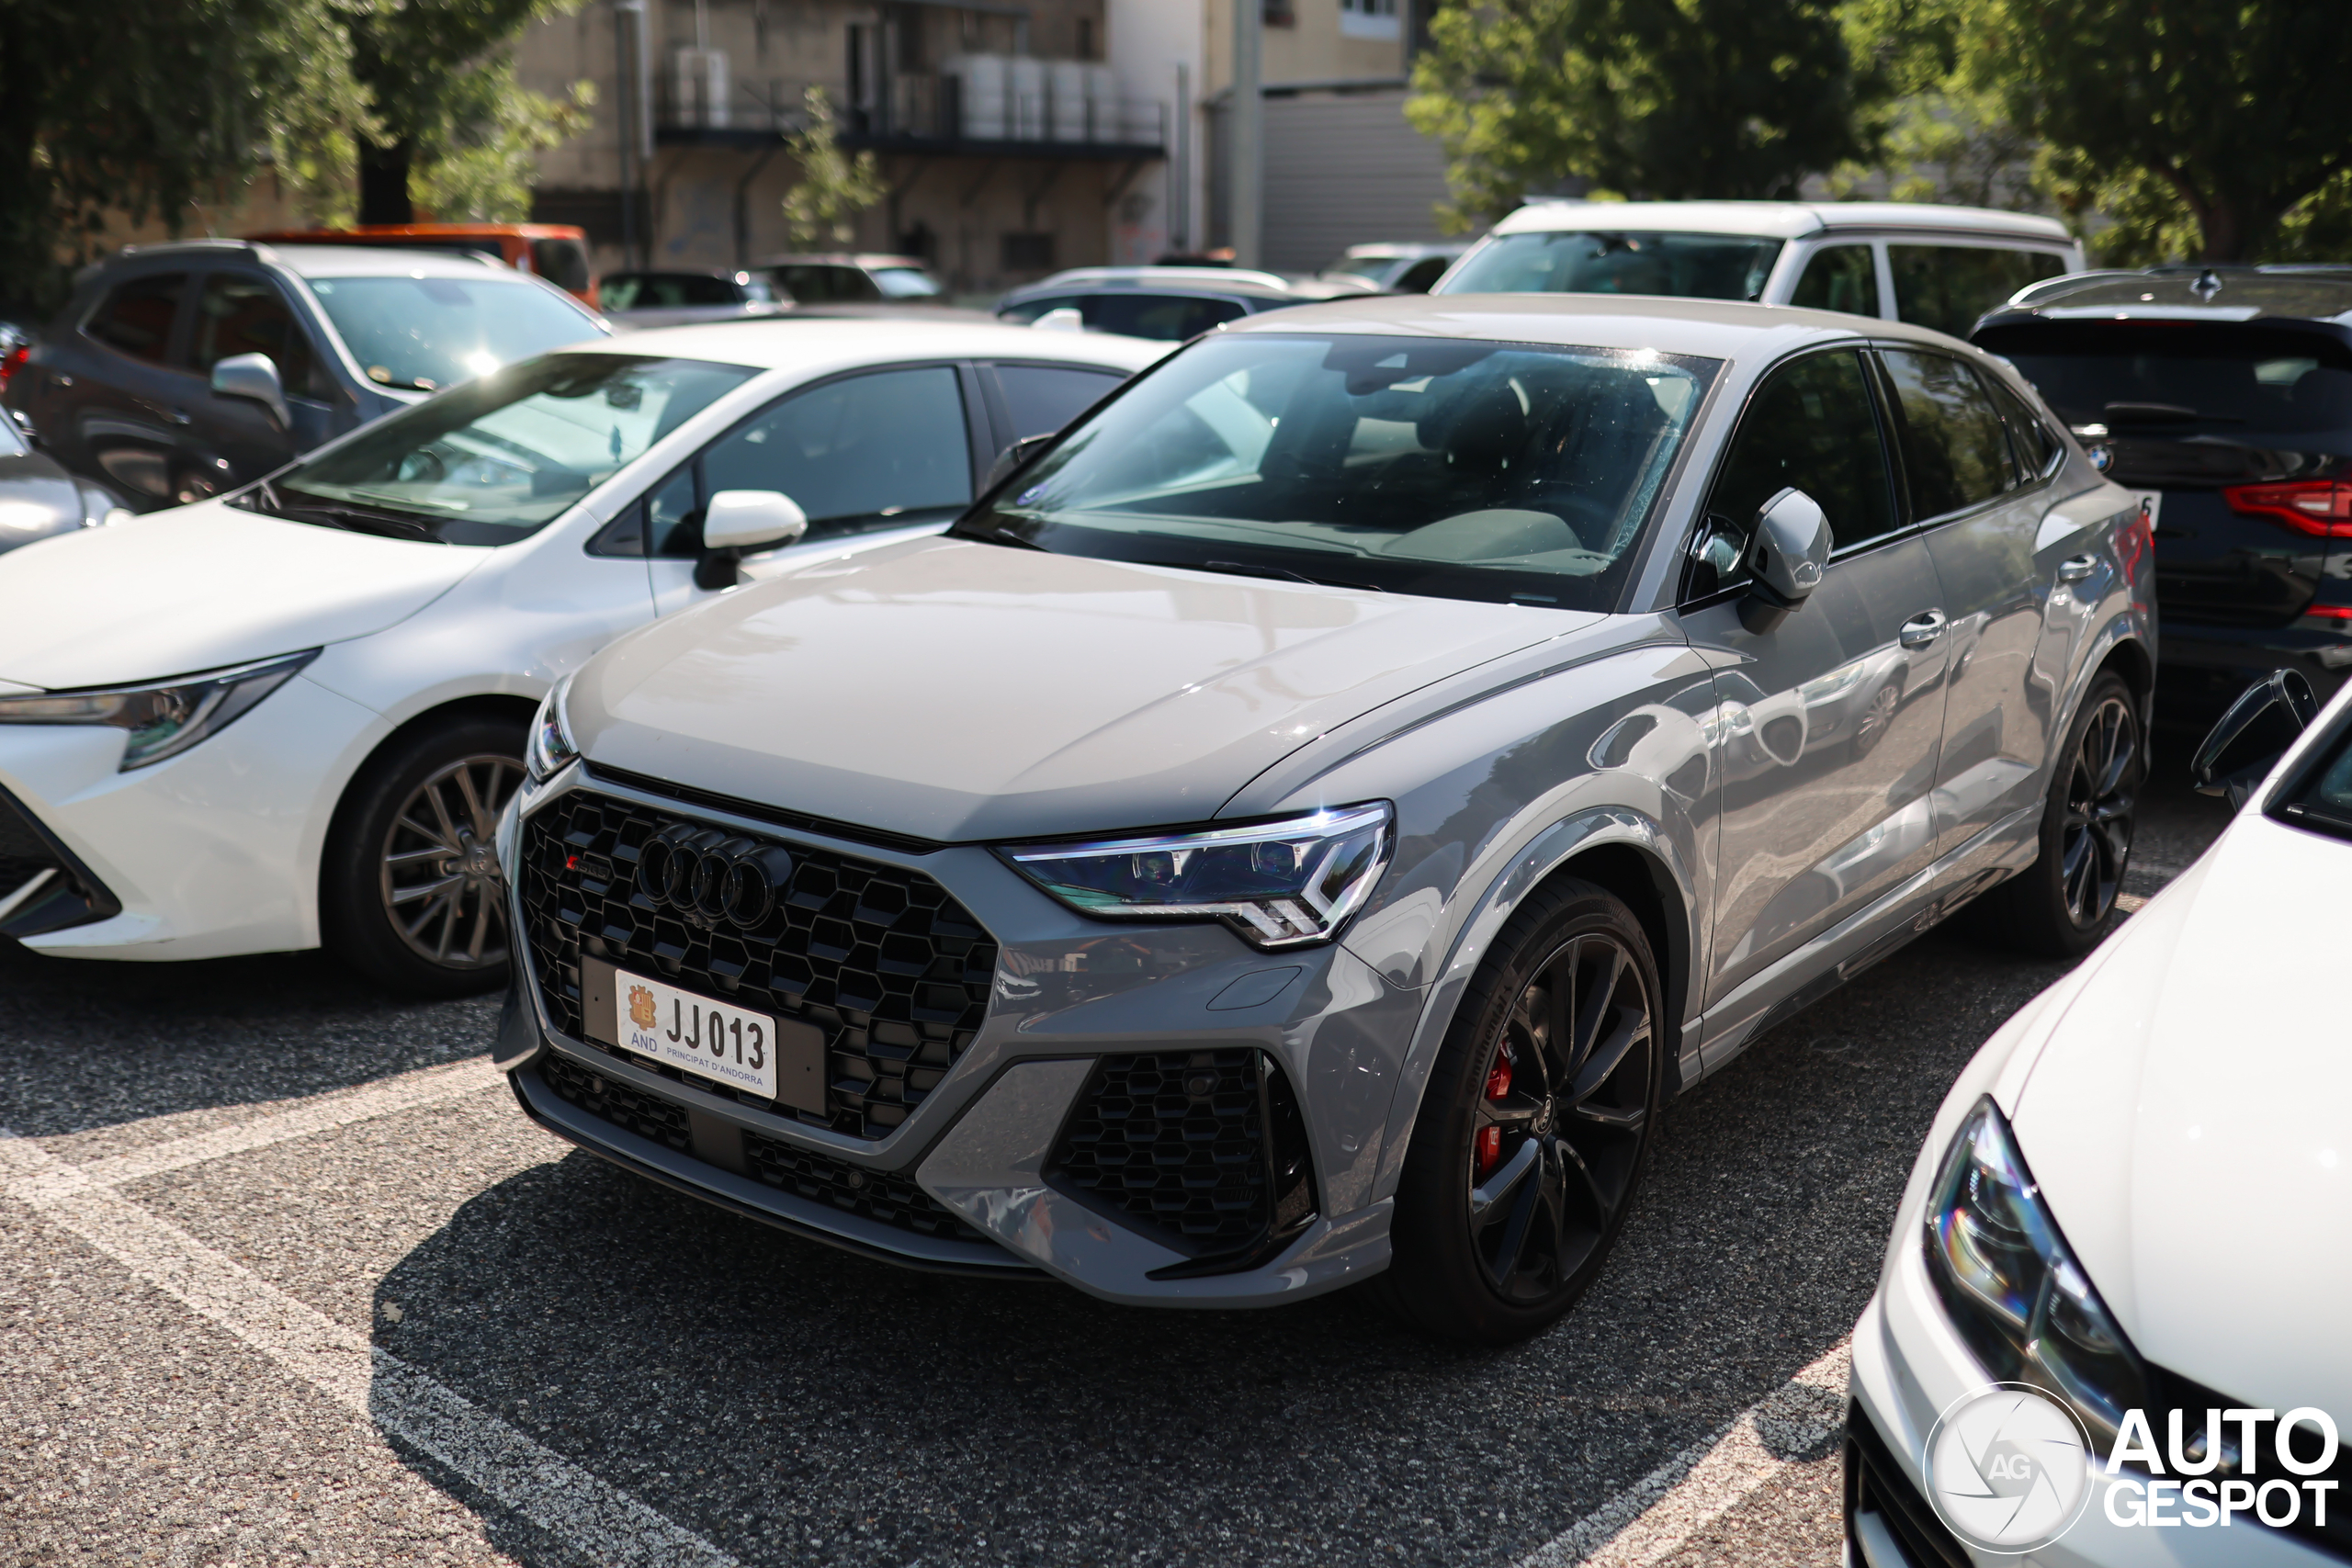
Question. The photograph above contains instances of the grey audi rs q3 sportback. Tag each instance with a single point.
(1302, 825)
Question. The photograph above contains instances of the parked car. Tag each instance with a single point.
(289, 716)
(556, 252)
(680, 299)
(1307, 821)
(847, 278)
(2222, 396)
(1933, 267)
(1399, 268)
(2136, 1234)
(183, 370)
(39, 498)
(1169, 303)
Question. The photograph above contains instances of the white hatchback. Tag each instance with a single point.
(290, 715)
(2110, 1328)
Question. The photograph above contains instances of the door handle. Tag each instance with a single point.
(1921, 629)
(2076, 569)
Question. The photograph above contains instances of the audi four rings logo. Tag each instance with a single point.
(706, 873)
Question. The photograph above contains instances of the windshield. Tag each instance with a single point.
(1504, 472)
(905, 282)
(1695, 266)
(492, 461)
(2157, 378)
(428, 333)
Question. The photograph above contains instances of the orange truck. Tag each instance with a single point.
(556, 252)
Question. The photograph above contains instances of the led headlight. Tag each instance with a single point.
(550, 748)
(1278, 883)
(2012, 1288)
(165, 717)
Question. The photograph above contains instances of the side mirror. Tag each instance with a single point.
(739, 520)
(2240, 751)
(1787, 555)
(253, 376)
(1013, 459)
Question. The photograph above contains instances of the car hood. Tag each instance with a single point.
(2190, 1121)
(958, 691)
(204, 586)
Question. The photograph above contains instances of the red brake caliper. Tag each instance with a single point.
(1490, 1138)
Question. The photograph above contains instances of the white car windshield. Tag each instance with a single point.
(1468, 469)
(905, 282)
(493, 460)
(425, 334)
(1695, 266)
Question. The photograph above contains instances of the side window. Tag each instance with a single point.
(673, 513)
(619, 292)
(2038, 448)
(1955, 452)
(562, 262)
(1948, 287)
(856, 453)
(1044, 398)
(1169, 318)
(1842, 277)
(238, 314)
(1814, 425)
(136, 318)
(1417, 278)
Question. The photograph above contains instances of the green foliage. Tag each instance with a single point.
(1642, 99)
(482, 172)
(141, 109)
(833, 187)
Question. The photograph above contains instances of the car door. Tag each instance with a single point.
(867, 453)
(242, 312)
(1980, 512)
(1829, 721)
(129, 411)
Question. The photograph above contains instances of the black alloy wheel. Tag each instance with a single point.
(1532, 1136)
(2060, 905)
(409, 891)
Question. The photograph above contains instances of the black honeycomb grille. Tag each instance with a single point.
(896, 972)
(1174, 1142)
(892, 1200)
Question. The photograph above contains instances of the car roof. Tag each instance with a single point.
(1777, 219)
(1164, 279)
(1713, 329)
(841, 258)
(2191, 293)
(1398, 250)
(784, 342)
(322, 261)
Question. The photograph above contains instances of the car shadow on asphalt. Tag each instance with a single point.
(87, 1043)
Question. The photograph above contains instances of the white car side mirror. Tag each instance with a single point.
(1066, 319)
(742, 519)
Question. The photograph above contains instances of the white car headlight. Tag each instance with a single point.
(2012, 1288)
(165, 717)
(1278, 883)
(550, 750)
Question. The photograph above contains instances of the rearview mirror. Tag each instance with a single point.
(2239, 753)
(739, 520)
(253, 376)
(1789, 552)
(1013, 457)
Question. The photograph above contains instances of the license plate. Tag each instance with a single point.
(715, 1039)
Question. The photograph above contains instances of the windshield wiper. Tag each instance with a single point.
(359, 519)
(997, 536)
(1276, 573)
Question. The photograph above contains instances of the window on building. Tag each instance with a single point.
(1370, 19)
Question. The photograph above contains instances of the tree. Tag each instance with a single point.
(449, 117)
(1643, 98)
(833, 187)
(131, 108)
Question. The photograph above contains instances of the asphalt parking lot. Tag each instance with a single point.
(285, 1277)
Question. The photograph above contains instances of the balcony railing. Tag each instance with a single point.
(916, 112)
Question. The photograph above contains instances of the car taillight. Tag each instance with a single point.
(15, 357)
(2329, 611)
(2311, 506)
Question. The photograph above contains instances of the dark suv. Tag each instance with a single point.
(2224, 395)
(182, 370)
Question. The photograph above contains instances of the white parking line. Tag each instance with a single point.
(323, 1113)
(602, 1524)
(1663, 1509)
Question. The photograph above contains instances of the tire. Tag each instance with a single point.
(2062, 904)
(1496, 1263)
(409, 893)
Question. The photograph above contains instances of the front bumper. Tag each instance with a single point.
(211, 853)
(947, 1148)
